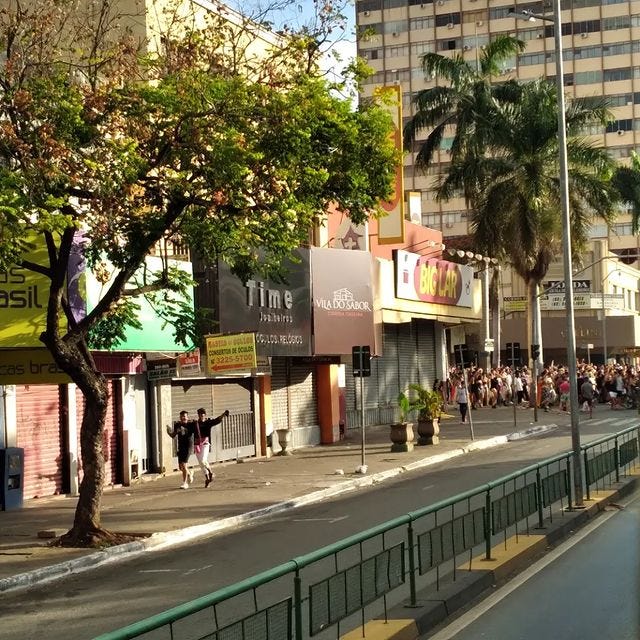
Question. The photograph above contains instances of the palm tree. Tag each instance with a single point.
(517, 188)
(463, 105)
(463, 101)
(627, 182)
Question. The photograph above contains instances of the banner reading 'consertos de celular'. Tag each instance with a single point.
(433, 280)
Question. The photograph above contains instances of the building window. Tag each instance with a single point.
(617, 22)
(444, 19)
(417, 24)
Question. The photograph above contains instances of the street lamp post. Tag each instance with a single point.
(566, 246)
(604, 317)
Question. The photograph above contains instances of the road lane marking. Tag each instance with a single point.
(453, 629)
(156, 570)
(329, 520)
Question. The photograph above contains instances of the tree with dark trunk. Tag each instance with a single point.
(115, 144)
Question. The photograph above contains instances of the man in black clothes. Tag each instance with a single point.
(183, 431)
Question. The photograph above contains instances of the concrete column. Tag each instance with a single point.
(328, 402)
(265, 416)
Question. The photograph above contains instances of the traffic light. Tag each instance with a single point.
(513, 353)
(535, 351)
(461, 355)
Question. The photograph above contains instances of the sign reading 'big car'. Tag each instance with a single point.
(433, 280)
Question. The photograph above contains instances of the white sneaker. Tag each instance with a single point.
(184, 485)
(190, 478)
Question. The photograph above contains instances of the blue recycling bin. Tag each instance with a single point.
(12, 478)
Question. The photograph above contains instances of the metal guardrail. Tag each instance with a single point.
(348, 582)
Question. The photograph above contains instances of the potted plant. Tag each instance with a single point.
(428, 404)
(401, 432)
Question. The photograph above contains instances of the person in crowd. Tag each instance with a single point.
(202, 441)
(548, 393)
(564, 389)
(184, 433)
(586, 393)
(517, 388)
(463, 400)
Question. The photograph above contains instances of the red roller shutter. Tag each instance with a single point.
(39, 433)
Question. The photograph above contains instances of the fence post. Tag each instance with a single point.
(540, 498)
(487, 524)
(586, 473)
(412, 565)
(297, 603)
(617, 455)
(567, 483)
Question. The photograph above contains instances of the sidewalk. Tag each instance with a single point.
(156, 506)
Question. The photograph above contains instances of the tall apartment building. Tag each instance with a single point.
(601, 41)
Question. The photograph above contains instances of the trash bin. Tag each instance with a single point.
(12, 478)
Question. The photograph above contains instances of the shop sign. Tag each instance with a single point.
(23, 302)
(189, 363)
(279, 313)
(30, 366)
(164, 369)
(510, 304)
(391, 225)
(578, 285)
(557, 302)
(342, 300)
(156, 333)
(229, 353)
(433, 280)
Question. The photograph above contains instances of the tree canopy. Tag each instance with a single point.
(182, 132)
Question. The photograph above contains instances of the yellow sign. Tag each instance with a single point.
(29, 366)
(235, 352)
(391, 226)
(23, 302)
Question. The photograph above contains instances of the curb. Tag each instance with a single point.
(160, 540)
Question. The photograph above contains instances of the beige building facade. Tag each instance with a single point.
(601, 41)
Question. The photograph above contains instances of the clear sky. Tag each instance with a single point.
(302, 13)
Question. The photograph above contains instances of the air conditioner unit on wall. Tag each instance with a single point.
(367, 13)
(621, 132)
(450, 25)
(480, 23)
(467, 47)
(449, 225)
(584, 35)
(540, 36)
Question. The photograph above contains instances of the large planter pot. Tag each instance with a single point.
(284, 440)
(428, 431)
(401, 434)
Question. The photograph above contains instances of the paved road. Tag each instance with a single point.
(589, 587)
(85, 605)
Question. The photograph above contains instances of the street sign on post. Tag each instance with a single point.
(361, 359)
(461, 355)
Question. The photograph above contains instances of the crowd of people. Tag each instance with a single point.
(615, 384)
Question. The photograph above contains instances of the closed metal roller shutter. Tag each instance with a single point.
(304, 410)
(237, 432)
(111, 436)
(426, 352)
(235, 437)
(40, 434)
(190, 396)
(388, 373)
(350, 389)
(279, 401)
(293, 396)
(407, 355)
